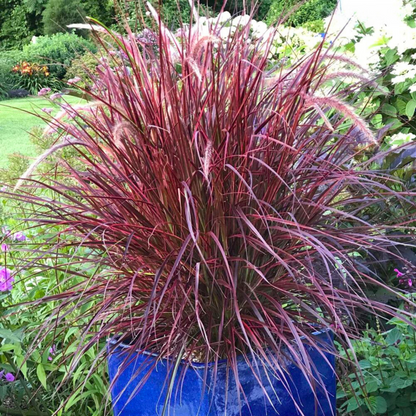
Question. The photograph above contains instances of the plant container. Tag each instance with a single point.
(192, 397)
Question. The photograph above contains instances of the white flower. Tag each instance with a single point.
(406, 10)
(402, 38)
(259, 29)
(221, 18)
(243, 20)
(412, 88)
(403, 71)
(366, 51)
(400, 139)
(226, 32)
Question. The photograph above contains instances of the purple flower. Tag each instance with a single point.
(74, 80)
(410, 282)
(1, 374)
(3, 189)
(10, 377)
(44, 91)
(19, 236)
(5, 230)
(47, 110)
(52, 351)
(6, 280)
(4, 248)
(399, 273)
(56, 96)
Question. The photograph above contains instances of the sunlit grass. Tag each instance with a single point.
(16, 123)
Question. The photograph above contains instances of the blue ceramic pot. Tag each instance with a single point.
(191, 399)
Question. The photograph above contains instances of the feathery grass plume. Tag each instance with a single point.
(344, 109)
(66, 141)
(342, 75)
(240, 265)
(345, 59)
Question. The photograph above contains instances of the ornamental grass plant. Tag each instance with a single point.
(219, 201)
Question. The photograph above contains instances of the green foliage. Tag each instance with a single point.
(60, 13)
(16, 29)
(311, 11)
(84, 67)
(57, 51)
(18, 164)
(8, 59)
(102, 10)
(34, 389)
(388, 365)
(316, 26)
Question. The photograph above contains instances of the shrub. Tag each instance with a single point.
(57, 51)
(8, 60)
(85, 68)
(218, 203)
(388, 365)
(310, 11)
(17, 165)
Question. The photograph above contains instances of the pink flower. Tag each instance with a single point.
(44, 91)
(399, 273)
(47, 110)
(410, 282)
(74, 80)
(4, 248)
(52, 351)
(56, 96)
(6, 280)
(19, 236)
(10, 377)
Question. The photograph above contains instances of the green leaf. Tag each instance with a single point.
(413, 397)
(403, 401)
(7, 347)
(341, 394)
(364, 364)
(11, 336)
(393, 336)
(410, 108)
(372, 386)
(401, 106)
(77, 397)
(381, 405)
(354, 403)
(389, 109)
(20, 361)
(40, 371)
(391, 57)
(377, 120)
(399, 88)
(371, 404)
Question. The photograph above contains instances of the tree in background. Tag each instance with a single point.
(310, 11)
(60, 13)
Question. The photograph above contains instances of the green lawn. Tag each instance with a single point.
(15, 124)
